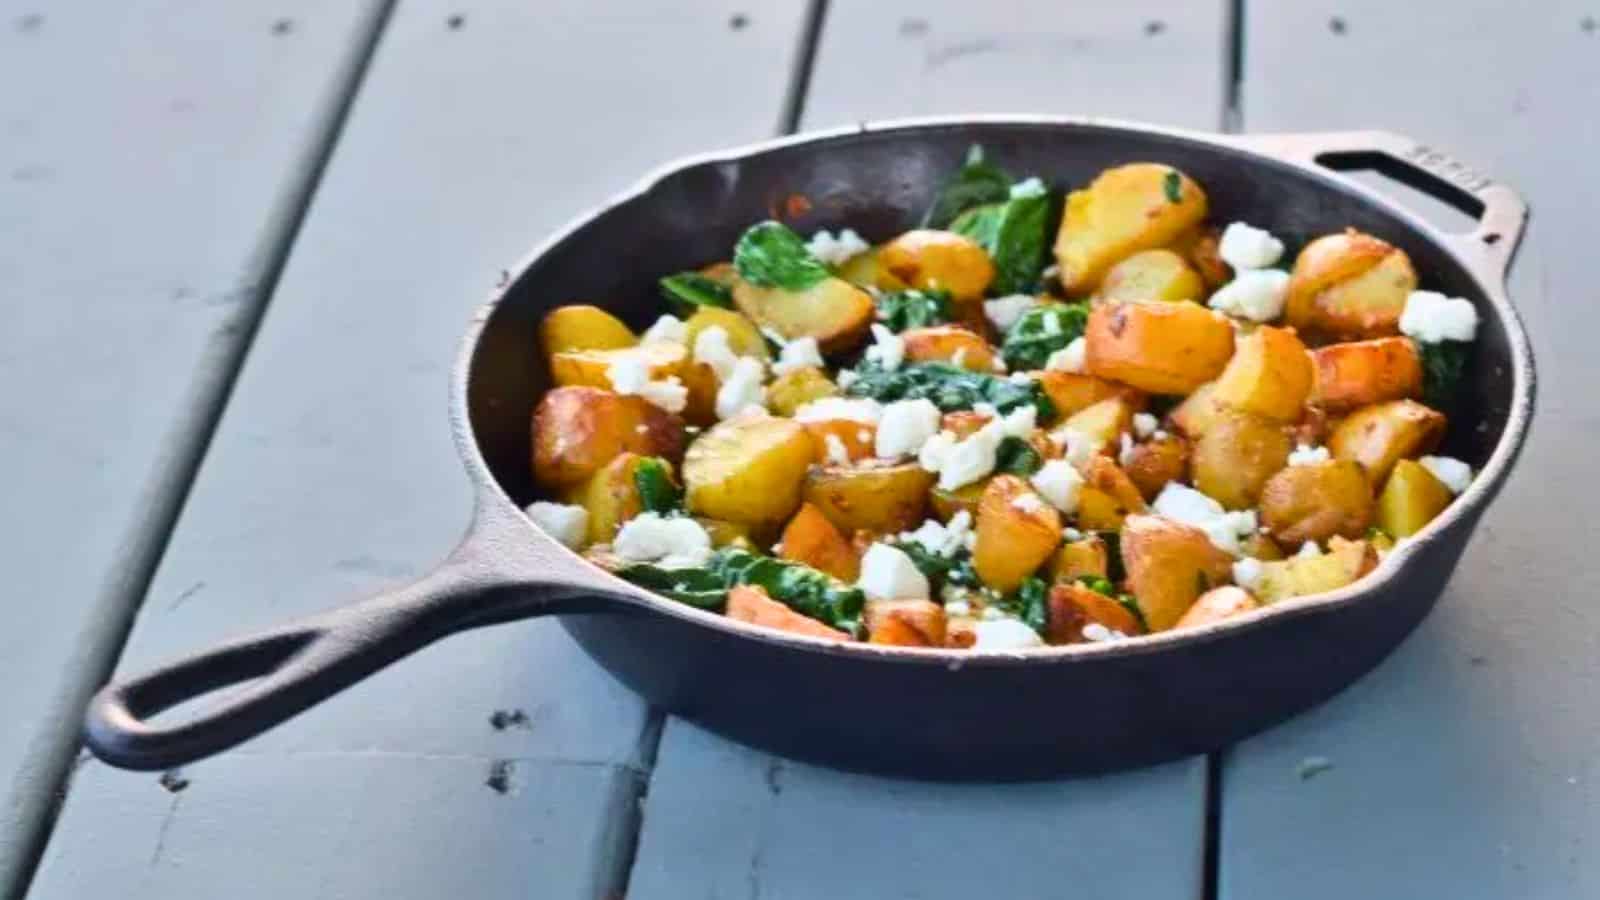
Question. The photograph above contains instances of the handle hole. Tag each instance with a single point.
(1441, 202)
(1492, 238)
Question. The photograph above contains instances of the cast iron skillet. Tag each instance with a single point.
(918, 712)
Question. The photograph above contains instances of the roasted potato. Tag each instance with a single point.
(947, 503)
(593, 367)
(583, 328)
(1317, 501)
(811, 539)
(1235, 457)
(1016, 532)
(1269, 375)
(1361, 373)
(905, 623)
(1169, 566)
(947, 343)
(1103, 422)
(960, 632)
(1071, 392)
(1162, 348)
(1139, 206)
(1194, 415)
(748, 603)
(884, 498)
(938, 261)
(748, 469)
(1411, 498)
(577, 430)
(1202, 247)
(1377, 436)
(1074, 606)
(700, 380)
(1260, 546)
(612, 496)
(1152, 275)
(1107, 497)
(865, 270)
(1086, 556)
(1156, 462)
(1299, 576)
(797, 387)
(724, 533)
(1217, 604)
(744, 338)
(834, 311)
(1349, 286)
(857, 439)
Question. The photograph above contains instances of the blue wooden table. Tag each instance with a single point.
(240, 240)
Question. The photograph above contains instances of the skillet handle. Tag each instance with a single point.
(292, 668)
(1501, 213)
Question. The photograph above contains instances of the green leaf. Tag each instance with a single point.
(1114, 567)
(1131, 604)
(696, 587)
(1442, 366)
(687, 290)
(947, 387)
(974, 184)
(1016, 456)
(1033, 606)
(1172, 186)
(901, 310)
(980, 223)
(657, 493)
(799, 587)
(1041, 331)
(1018, 247)
(770, 254)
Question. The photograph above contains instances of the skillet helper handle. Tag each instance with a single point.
(282, 672)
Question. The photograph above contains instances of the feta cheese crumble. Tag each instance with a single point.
(1028, 187)
(1096, 633)
(629, 373)
(1071, 358)
(887, 349)
(1455, 474)
(905, 426)
(1125, 454)
(1020, 422)
(854, 409)
(962, 462)
(742, 389)
(1005, 634)
(1191, 507)
(1005, 311)
(1144, 424)
(565, 523)
(1028, 503)
(670, 542)
(1079, 446)
(1306, 455)
(1308, 550)
(836, 251)
(1244, 246)
(712, 348)
(845, 378)
(1432, 317)
(838, 454)
(1059, 483)
(889, 574)
(799, 353)
(666, 330)
(1254, 294)
(1247, 573)
(942, 539)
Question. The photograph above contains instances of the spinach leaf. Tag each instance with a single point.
(687, 290)
(657, 493)
(1018, 246)
(1032, 602)
(947, 387)
(1016, 456)
(1131, 604)
(696, 587)
(1442, 365)
(1172, 186)
(974, 184)
(1041, 331)
(770, 254)
(900, 310)
(799, 587)
(940, 570)
(1114, 568)
(980, 223)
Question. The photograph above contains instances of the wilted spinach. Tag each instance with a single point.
(977, 182)
(947, 387)
(1018, 246)
(940, 570)
(697, 587)
(770, 254)
(1172, 186)
(687, 290)
(900, 310)
(1041, 331)
(1016, 456)
(799, 587)
(657, 494)
(1442, 365)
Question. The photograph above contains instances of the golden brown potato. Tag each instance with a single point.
(883, 498)
(833, 311)
(1071, 392)
(905, 623)
(1360, 373)
(700, 380)
(1074, 606)
(612, 496)
(857, 439)
(1169, 565)
(1107, 496)
(1235, 457)
(1269, 375)
(1348, 286)
(1086, 556)
(1103, 423)
(1152, 275)
(748, 469)
(593, 367)
(1312, 429)
(744, 338)
(1379, 435)
(724, 533)
(1016, 532)
(947, 503)
(1202, 247)
(947, 343)
(1162, 348)
(864, 270)
(1260, 546)
(797, 387)
(576, 430)
(960, 632)
(1156, 462)
(1194, 415)
(938, 261)
(1300, 576)
(748, 603)
(1218, 604)
(1317, 501)
(811, 539)
(1139, 206)
(582, 328)
(1411, 498)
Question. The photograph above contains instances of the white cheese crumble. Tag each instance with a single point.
(1191, 507)
(846, 377)
(1159, 435)
(1020, 378)
(1005, 311)
(1254, 294)
(1096, 633)
(1144, 424)
(958, 608)
(994, 614)
(666, 330)
(1125, 454)
(1071, 534)
(1020, 422)
(836, 251)
(1306, 455)
(1028, 187)
(1005, 634)
(853, 409)
(629, 373)
(838, 454)
(1247, 573)
(962, 462)
(1432, 317)
(1455, 474)
(1079, 447)
(799, 353)
(565, 523)
(712, 348)
(959, 358)
(1308, 550)
(1070, 358)
(670, 542)
(942, 539)
(1028, 503)
(1052, 325)
(905, 426)
(1244, 246)
(742, 389)
(889, 574)
(887, 349)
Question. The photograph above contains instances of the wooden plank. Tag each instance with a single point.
(154, 158)
(1465, 766)
(333, 469)
(778, 829)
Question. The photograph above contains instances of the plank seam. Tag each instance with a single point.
(794, 101)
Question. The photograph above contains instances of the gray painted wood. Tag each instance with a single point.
(333, 471)
(1156, 60)
(153, 156)
(1465, 766)
(722, 821)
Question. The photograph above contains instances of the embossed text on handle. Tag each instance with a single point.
(1451, 170)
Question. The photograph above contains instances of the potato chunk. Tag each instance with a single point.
(583, 328)
(1016, 532)
(931, 260)
(593, 367)
(1152, 275)
(748, 469)
(833, 311)
(1217, 604)
(875, 497)
(744, 338)
(748, 603)
(1300, 576)
(866, 271)
(1360, 373)
(1380, 435)
(1349, 286)
(811, 539)
(1235, 457)
(576, 430)
(1169, 566)
(1086, 556)
(1269, 375)
(1074, 607)
(1107, 496)
(1071, 392)
(1411, 498)
(949, 343)
(1162, 348)
(1156, 462)
(797, 387)
(1317, 501)
(1139, 206)
(905, 623)
(612, 496)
